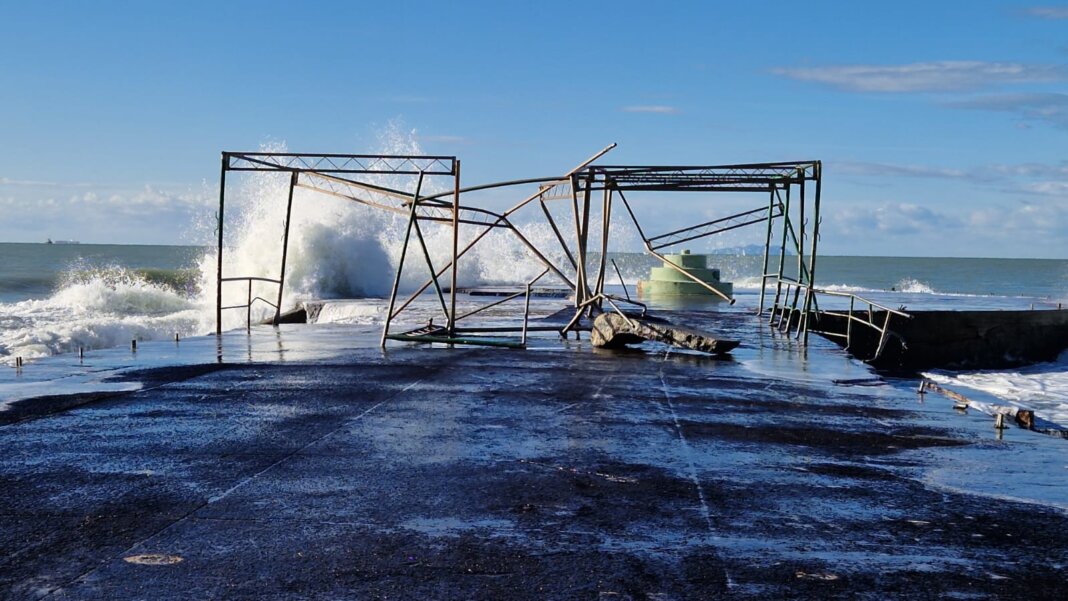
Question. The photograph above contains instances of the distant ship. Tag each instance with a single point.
(50, 241)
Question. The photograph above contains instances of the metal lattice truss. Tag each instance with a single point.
(357, 178)
(340, 163)
(756, 177)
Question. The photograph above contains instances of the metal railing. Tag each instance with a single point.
(249, 299)
(865, 316)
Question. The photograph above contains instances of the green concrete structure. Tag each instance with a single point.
(667, 281)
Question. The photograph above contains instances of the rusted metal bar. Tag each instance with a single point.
(430, 268)
(526, 312)
(637, 225)
(493, 185)
(620, 276)
(882, 336)
(519, 328)
(503, 300)
(545, 261)
(849, 324)
(503, 218)
(400, 269)
(541, 257)
(556, 232)
(620, 312)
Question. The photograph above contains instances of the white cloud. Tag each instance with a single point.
(651, 108)
(1027, 218)
(32, 183)
(153, 213)
(1049, 107)
(1031, 170)
(1048, 188)
(896, 219)
(1026, 178)
(891, 170)
(937, 76)
(1013, 229)
(1048, 12)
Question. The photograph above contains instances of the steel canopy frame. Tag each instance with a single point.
(774, 179)
(793, 190)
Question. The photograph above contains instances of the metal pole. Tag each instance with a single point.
(219, 271)
(248, 308)
(801, 279)
(580, 267)
(606, 223)
(285, 248)
(782, 251)
(584, 237)
(810, 297)
(455, 249)
(526, 312)
(849, 322)
(767, 247)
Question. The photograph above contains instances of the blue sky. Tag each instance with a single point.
(943, 126)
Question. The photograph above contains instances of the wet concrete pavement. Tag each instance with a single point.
(495, 474)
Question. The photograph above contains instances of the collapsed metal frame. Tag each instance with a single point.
(793, 190)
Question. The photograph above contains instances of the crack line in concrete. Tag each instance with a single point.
(706, 513)
(219, 497)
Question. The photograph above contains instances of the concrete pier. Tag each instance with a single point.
(566, 473)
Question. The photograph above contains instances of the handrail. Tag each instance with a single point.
(243, 278)
(250, 299)
(862, 299)
(788, 312)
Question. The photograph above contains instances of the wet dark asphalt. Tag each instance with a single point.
(497, 474)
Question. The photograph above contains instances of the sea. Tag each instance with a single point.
(70, 298)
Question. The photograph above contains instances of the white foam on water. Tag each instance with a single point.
(369, 311)
(752, 283)
(1042, 387)
(97, 313)
(914, 286)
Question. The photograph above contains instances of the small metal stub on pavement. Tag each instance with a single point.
(153, 559)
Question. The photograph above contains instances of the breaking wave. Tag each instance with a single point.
(337, 249)
(106, 310)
